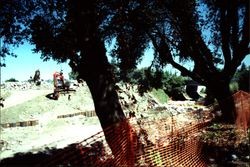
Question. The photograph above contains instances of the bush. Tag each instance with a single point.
(244, 81)
(234, 87)
(173, 85)
(242, 76)
(11, 80)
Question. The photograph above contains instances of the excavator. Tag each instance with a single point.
(60, 85)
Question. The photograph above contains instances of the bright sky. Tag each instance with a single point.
(27, 62)
(25, 65)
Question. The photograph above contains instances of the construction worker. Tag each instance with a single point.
(58, 83)
(58, 79)
(36, 78)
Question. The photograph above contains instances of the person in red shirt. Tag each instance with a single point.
(58, 83)
(58, 79)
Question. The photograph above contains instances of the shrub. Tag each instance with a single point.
(234, 87)
(244, 81)
(11, 80)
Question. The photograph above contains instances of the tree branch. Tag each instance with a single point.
(243, 46)
(182, 69)
(225, 37)
(235, 25)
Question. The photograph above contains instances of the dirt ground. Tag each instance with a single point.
(52, 131)
(61, 122)
(58, 122)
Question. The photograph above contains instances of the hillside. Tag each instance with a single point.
(32, 122)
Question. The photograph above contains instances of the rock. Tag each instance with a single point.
(234, 157)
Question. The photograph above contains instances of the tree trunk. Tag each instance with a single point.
(97, 73)
(221, 92)
(105, 98)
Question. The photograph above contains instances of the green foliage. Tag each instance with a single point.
(137, 76)
(234, 87)
(160, 95)
(202, 32)
(156, 157)
(11, 80)
(73, 75)
(145, 78)
(173, 84)
(244, 81)
(242, 78)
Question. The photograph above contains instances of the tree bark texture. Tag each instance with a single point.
(93, 66)
(221, 92)
(97, 73)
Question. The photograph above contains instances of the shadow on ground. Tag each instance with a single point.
(51, 96)
(72, 155)
(225, 147)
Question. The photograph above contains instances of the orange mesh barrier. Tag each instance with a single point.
(180, 147)
(134, 145)
(242, 107)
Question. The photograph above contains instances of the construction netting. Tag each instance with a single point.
(242, 107)
(137, 143)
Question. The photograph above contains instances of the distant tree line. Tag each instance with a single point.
(173, 84)
(11, 80)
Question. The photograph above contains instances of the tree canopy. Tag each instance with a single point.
(213, 35)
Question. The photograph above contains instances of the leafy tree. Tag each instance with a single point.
(77, 30)
(174, 85)
(228, 25)
(74, 30)
(213, 35)
(73, 75)
(148, 79)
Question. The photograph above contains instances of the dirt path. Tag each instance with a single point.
(18, 97)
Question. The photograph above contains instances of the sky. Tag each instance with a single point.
(27, 62)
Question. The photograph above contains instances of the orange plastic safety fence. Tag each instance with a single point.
(181, 148)
(242, 106)
(94, 151)
(178, 147)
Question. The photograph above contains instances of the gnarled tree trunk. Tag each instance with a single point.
(94, 68)
(97, 73)
(221, 92)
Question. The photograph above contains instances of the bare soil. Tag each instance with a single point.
(52, 131)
